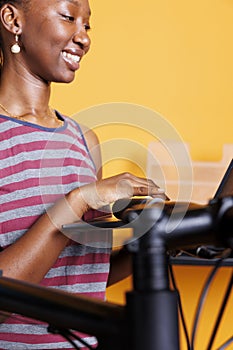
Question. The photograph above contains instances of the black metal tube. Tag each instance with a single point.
(58, 308)
(152, 320)
(150, 263)
(184, 227)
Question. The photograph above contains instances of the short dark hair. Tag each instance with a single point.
(23, 3)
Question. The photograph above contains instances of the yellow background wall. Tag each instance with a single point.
(176, 58)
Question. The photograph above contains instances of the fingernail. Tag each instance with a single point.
(160, 190)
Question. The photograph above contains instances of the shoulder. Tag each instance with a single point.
(92, 142)
(90, 136)
(93, 145)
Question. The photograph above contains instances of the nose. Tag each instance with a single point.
(82, 39)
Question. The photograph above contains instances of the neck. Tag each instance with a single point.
(30, 102)
(25, 94)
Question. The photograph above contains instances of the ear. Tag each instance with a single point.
(11, 19)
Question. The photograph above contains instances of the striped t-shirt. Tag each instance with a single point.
(39, 165)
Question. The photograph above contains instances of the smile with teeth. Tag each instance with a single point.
(70, 57)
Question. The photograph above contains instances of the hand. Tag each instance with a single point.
(125, 185)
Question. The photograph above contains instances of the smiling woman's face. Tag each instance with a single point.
(54, 38)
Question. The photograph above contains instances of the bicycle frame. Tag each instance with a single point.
(149, 320)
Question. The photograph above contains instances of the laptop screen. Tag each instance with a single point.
(226, 186)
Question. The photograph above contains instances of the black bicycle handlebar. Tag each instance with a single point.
(175, 225)
(181, 225)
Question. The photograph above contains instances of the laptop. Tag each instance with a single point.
(226, 186)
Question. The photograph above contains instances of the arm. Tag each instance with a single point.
(94, 149)
(32, 255)
(121, 266)
(120, 261)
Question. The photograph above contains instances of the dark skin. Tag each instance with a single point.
(52, 56)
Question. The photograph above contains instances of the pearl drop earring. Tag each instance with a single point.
(16, 48)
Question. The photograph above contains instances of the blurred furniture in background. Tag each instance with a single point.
(169, 164)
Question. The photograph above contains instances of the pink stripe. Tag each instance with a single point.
(54, 180)
(18, 223)
(18, 130)
(31, 201)
(36, 164)
(19, 319)
(40, 145)
(85, 259)
(40, 164)
(71, 280)
(69, 132)
(17, 149)
(28, 321)
(49, 144)
(24, 184)
(97, 295)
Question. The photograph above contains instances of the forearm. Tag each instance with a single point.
(121, 266)
(32, 255)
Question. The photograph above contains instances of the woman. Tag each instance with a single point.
(50, 172)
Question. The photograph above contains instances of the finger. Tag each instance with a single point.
(148, 191)
(143, 182)
(137, 181)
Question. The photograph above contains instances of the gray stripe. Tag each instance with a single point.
(32, 192)
(11, 237)
(84, 287)
(44, 136)
(74, 127)
(23, 175)
(69, 251)
(58, 189)
(23, 212)
(81, 250)
(44, 155)
(49, 172)
(6, 126)
(21, 157)
(23, 328)
(58, 345)
(73, 270)
(64, 171)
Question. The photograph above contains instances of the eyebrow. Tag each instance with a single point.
(76, 3)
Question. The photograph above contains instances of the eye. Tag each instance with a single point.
(68, 18)
(87, 27)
